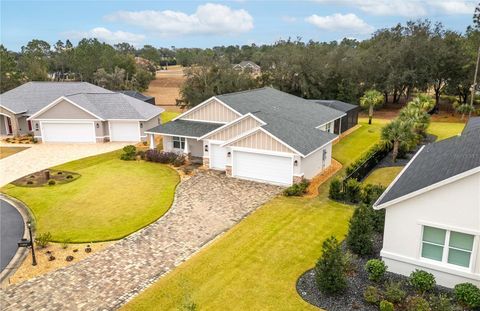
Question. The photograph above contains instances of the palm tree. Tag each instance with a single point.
(370, 100)
(423, 102)
(417, 117)
(397, 132)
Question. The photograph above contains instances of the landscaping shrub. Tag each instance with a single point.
(330, 269)
(353, 190)
(179, 161)
(335, 192)
(375, 150)
(297, 189)
(370, 193)
(394, 292)
(376, 269)
(141, 154)
(69, 177)
(441, 303)
(51, 182)
(154, 155)
(372, 295)
(377, 218)
(417, 304)
(43, 239)
(360, 233)
(467, 295)
(422, 281)
(128, 153)
(386, 306)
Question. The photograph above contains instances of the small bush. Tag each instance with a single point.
(59, 173)
(370, 193)
(69, 177)
(65, 243)
(376, 269)
(467, 294)
(386, 306)
(417, 304)
(394, 292)
(372, 295)
(330, 269)
(422, 281)
(377, 218)
(179, 161)
(297, 189)
(29, 182)
(353, 190)
(335, 191)
(141, 154)
(360, 233)
(43, 239)
(154, 155)
(128, 153)
(441, 303)
(51, 182)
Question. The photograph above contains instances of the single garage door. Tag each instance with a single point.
(124, 131)
(68, 132)
(218, 157)
(263, 167)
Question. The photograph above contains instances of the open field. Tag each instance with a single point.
(166, 87)
(8, 151)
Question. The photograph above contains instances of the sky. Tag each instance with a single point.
(213, 23)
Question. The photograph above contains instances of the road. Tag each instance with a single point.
(11, 231)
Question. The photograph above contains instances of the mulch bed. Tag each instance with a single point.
(39, 179)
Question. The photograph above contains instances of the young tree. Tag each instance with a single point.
(360, 232)
(330, 268)
(397, 132)
(416, 113)
(423, 102)
(370, 100)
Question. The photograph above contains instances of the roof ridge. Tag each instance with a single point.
(244, 91)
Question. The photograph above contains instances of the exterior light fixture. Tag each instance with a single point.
(229, 154)
(206, 148)
(26, 243)
(98, 126)
(36, 126)
(141, 125)
(295, 163)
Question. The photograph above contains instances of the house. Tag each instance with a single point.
(432, 219)
(346, 122)
(262, 134)
(249, 66)
(139, 96)
(75, 112)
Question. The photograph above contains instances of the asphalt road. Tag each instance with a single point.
(11, 231)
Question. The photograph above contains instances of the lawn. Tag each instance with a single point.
(445, 129)
(110, 200)
(383, 176)
(8, 151)
(167, 116)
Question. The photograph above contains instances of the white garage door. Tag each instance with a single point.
(263, 167)
(68, 132)
(124, 131)
(218, 157)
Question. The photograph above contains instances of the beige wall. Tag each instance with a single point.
(212, 111)
(13, 119)
(313, 164)
(65, 110)
(147, 125)
(195, 147)
(235, 129)
(261, 140)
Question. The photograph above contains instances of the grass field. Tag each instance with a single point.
(8, 151)
(383, 176)
(166, 87)
(110, 200)
(445, 129)
(167, 116)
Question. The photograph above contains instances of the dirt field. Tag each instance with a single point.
(166, 87)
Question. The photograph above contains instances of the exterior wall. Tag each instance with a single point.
(146, 125)
(313, 164)
(235, 129)
(455, 206)
(3, 125)
(195, 147)
(213, 111)
(100, 131)
(261, 140)
(167, 142)
(23, 125)
(13, 119)
(65, 110)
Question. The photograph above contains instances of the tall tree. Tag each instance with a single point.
(10, 76)
(34, 59)
(370, 100)
(396, 133)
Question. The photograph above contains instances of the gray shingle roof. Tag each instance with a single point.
(472, 124)
(290, 118)
(185, 128)
(115, 106)
(137, 95)
(437, 162)
(335, 104)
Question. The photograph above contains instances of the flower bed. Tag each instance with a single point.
(46, 178)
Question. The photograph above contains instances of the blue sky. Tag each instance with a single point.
(213, 23)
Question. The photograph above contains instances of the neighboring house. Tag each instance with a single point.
(432, 219)
(351, 114)
(140, 96)
(249, 66)
(262, 134)
(75, 112)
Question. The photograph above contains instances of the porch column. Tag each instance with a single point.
(186, 151)
(152, 141)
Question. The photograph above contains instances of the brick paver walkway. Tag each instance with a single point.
(205, 206)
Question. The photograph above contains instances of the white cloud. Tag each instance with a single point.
(108, 36)
(408, 8)
(209, 18)
(349, 23)
(289, 19)
(454, 7)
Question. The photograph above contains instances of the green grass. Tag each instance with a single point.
(383, 176)
(110, 200)
(167, 116)
(445, 130)
(8, 151)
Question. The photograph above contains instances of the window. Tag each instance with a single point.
(178, 142)
(328, 127)
(447, 246)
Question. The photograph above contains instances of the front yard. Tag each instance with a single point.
(110, 200)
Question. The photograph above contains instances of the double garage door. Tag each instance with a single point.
(262, 167)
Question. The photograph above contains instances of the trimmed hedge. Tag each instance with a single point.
(297, 189)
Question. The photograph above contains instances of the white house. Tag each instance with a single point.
(432, 219)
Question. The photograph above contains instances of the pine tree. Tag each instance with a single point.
(360, 232)
(330, 268)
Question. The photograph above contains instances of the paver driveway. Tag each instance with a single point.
(43, 156)
(205, 205)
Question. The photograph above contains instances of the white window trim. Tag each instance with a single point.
(179, 140)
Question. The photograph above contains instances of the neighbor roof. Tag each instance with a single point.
(137, 95)
(185, 128)
(435, 163)
(472, 124)
(30, 97)
(291, 119)
(335, 104)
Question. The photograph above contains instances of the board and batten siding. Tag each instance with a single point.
(263, 141)
(235, 129)
(212, 111)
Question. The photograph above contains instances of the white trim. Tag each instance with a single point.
(232, 123)
(42, 132)
(203, 104)
(58, 100)
(448, 227)
(2, 106)
(68, 120)
(331, 121)
(7, 130)
(262, 151)
(163, 134)
(103, 136)
(128, 120)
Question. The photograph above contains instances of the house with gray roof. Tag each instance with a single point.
(432, 219)
(249, 66)
(75, 112)
(262, 134)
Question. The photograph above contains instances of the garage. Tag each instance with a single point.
(263, 167)
(218, 157)
(124, 131)
(68, 132)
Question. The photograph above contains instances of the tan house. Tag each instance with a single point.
(263, 134)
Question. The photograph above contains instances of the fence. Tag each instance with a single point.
(366, 166)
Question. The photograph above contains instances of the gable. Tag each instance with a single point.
(64, 110)
(235, 129)
(261, 140)
(211, 111)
